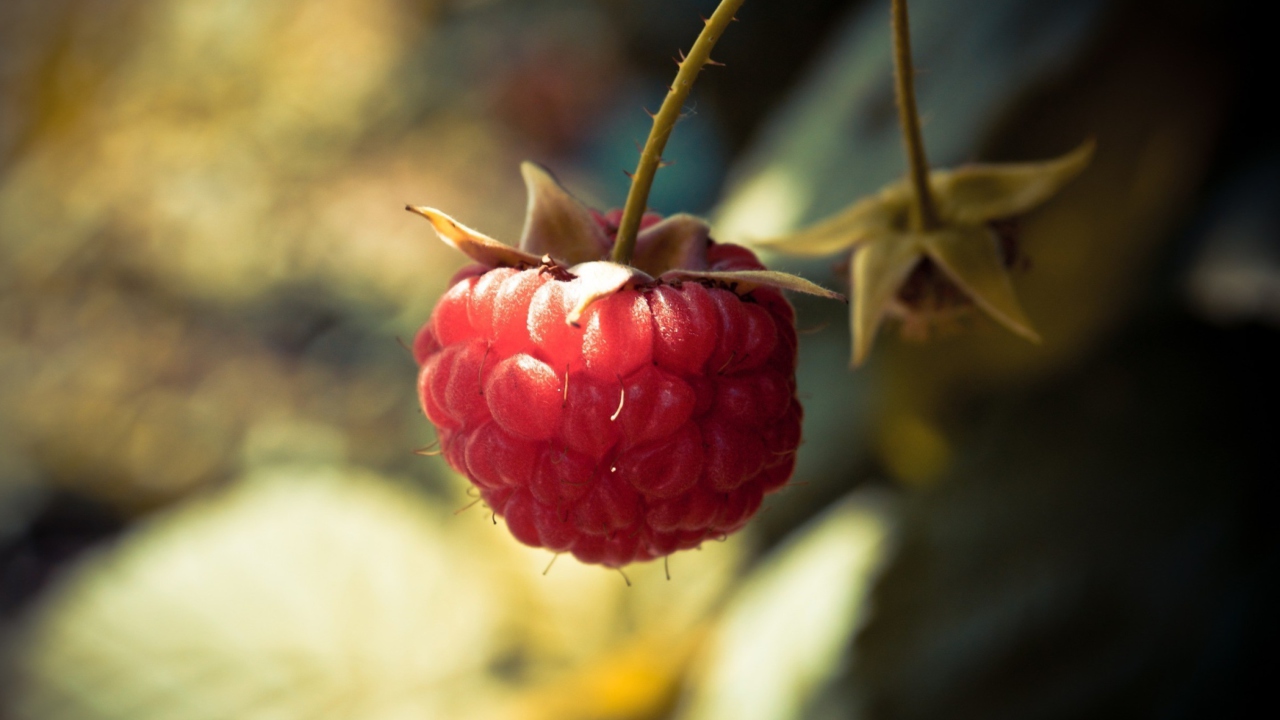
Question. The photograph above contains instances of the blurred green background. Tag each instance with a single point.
(209, 504)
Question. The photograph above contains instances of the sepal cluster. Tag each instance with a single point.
(562, 233)
(926, 276)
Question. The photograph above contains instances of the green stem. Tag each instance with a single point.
(926, 212)
(663, 123)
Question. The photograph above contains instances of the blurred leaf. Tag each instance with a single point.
(289, 595)
(786, 629)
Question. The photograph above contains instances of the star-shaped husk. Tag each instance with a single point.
(562, 233)
(956, 264)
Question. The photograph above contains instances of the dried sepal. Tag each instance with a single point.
(599, 279)
(860, 221)
(475, 245)
(679, 241)
(748, 280)
(556, 223)
(970, 256)
(976, 194)
(877, 272)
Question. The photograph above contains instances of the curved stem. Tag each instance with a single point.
(926, 212)
(663, 123)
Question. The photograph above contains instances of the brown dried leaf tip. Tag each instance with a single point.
(928, 277)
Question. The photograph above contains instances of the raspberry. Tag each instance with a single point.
(618, 386)
(659, 420)
(620, 411)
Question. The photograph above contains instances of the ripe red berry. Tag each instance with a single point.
(657, 422)
(616, 408)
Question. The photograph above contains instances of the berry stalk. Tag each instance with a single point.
(925, 215)
(663, 123)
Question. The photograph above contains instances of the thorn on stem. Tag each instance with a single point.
(713, 62)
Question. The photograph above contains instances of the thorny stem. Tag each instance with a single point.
(926, 213)
(663, 122)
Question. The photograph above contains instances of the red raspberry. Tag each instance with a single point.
(658, 421)
(617, 410)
